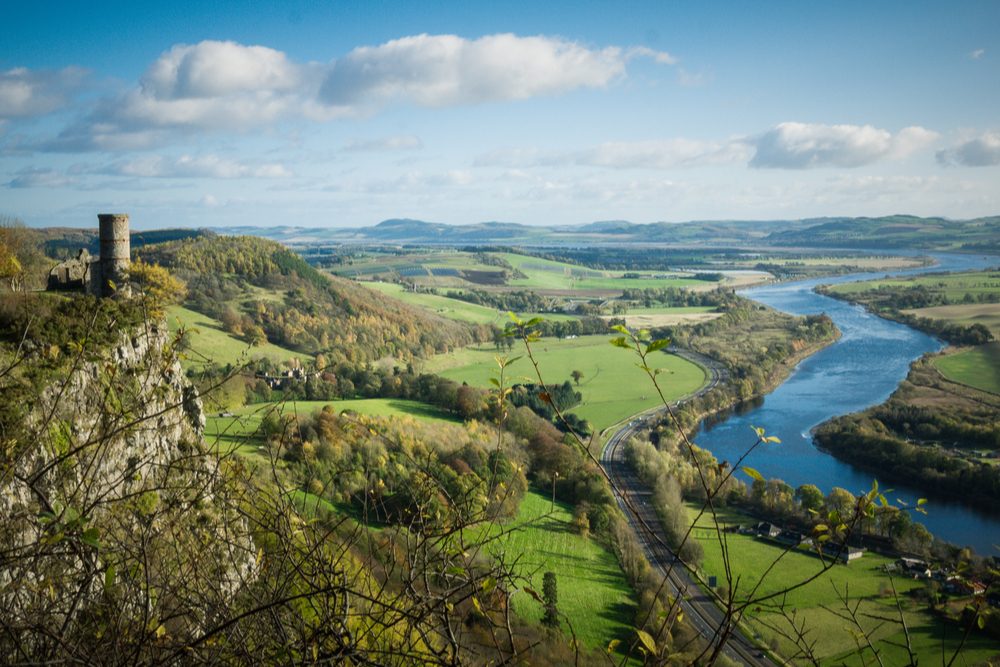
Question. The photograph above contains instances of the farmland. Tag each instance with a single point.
(612, 386)
(208, 343)
(593, 591)
(864, 582)
(240, 428)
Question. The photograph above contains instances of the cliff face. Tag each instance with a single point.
(113, 517)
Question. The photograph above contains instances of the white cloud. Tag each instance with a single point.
(400, 143)
(977, 54)
(446, 70)
(187, 166)
(981, 151)
(25, 92)
(218, 85)
(805, 145)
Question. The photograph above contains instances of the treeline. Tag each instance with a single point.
(678, 297)
(672, 474)
(546, 401)
(890, 301)
(869, 444)
(520, 301)
(925, 434)
(299, 307)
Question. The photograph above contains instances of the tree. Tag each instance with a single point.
(810, 497)
(550, 597)
(576, 375)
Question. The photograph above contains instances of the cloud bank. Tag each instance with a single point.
(25, 92)
(805, 146)
(982, 151)
(215, 85)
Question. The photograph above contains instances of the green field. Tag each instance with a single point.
(613, 387)
(593, 591)
(953, 286)
(977, 367)
(551, 275)
(238, 430)
(818, 603)
(210, 344)
(455, 309)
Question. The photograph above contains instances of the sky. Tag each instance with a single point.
(345, 113)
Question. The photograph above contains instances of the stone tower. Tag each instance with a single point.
(116, 250)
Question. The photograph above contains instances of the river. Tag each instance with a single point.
(860, 370)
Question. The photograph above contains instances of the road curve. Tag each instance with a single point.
(630, 492)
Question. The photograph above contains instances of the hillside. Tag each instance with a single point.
(261, 291)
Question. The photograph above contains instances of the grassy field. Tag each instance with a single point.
(209, 343)
(455, 309)
(612, 386)
(953, 286)
(645, 318)
(593, 591)
(238, 430)
(977, 367)
(547, 274)
(987, 314)
(818, 603)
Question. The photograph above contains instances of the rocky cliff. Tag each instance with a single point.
(114, 519)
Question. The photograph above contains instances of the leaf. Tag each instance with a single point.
(647, 640)
(621, 342)
(475, 603)
(753, 473)
(109, 577)
(91, 537)
(773, 438)
(620, 329)
(657, 345)
(613, 644)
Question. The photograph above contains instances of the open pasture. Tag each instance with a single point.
(977, 367)
(952, 286)
(240, 429)
(613, 387)
(593, 591)
(209, 343)
(818, 603)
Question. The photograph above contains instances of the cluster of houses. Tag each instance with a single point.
(951, 582)
(285, 378)
(790, 538)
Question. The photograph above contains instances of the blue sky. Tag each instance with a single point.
(344, 113)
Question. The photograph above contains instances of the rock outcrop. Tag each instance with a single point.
(113, 516)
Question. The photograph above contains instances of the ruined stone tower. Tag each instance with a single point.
(115, 253)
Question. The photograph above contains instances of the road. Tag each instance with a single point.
(699, 608)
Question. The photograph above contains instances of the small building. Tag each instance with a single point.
(765, 529)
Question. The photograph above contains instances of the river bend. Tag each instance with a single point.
(860, 370)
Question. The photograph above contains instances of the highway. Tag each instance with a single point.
(699, 608)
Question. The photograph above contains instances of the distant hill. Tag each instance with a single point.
(260, 289)
(896, 231)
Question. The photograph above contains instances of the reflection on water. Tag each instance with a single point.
(860, 370)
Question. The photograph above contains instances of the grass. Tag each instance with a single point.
(552, 275)
(987, 314)
(977, 367)
(593, 591)
(819, 606)
(209, 343)
(455, 309)
(613, 387)
(954, 286)
(239, 431)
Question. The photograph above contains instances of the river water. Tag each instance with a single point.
(860, 370)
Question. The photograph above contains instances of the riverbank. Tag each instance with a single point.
(861, 370)
(757, 354)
